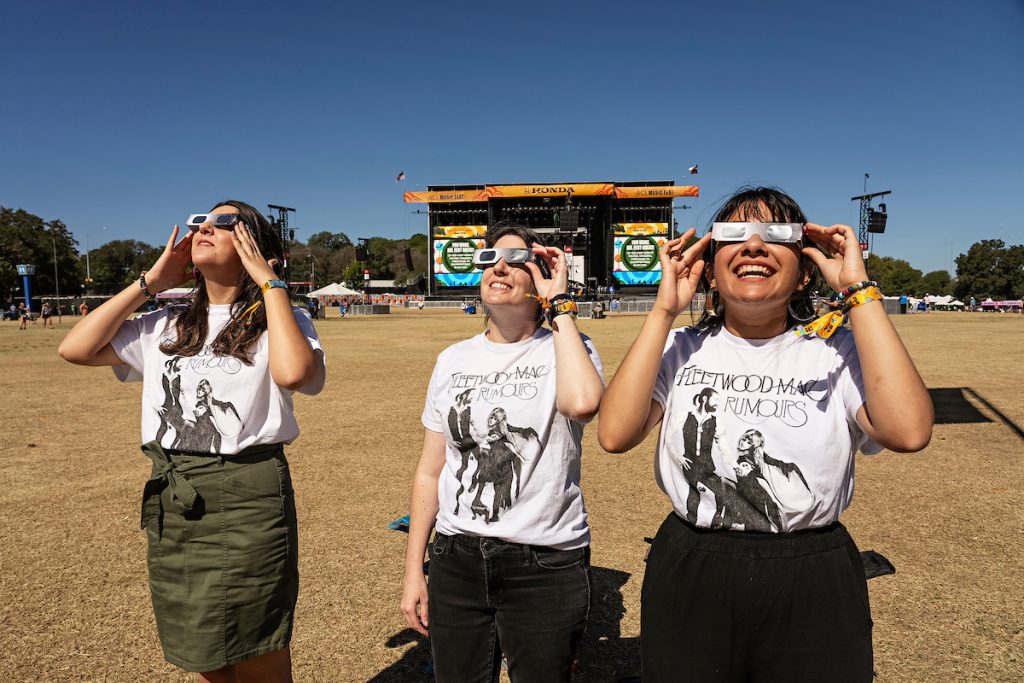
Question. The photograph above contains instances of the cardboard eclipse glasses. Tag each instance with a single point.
(224, 221)
(484, 258)
(770, 232)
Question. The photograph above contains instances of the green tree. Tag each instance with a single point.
(118, 263)
(894, 276)
(937, 282)
(352, 275)
(329, 241)
(27, 238)
(991, 269)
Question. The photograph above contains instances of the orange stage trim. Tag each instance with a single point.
(551, 190)
(447, 196)
(657, 192)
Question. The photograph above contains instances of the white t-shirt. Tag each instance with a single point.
(512, 461)
(759, 435)
(207, 403)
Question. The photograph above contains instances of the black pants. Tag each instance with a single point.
(747, 606)
(488, 597)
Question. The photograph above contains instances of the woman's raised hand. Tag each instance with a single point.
(559, 281)
(680, 272)
(842, 263)
(172, 268)
(259, 268)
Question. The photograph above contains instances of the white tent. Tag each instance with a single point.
(174, 293)
(336, 289)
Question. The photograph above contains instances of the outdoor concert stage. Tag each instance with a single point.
(610, 231)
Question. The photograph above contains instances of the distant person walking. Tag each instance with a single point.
(24, 315)
(904, 299)
(47, 312)
(83, 308)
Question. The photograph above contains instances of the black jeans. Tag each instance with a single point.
(488, 597)
(721, 606)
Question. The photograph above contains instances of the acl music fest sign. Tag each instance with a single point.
(636, 248)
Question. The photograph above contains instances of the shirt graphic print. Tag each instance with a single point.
(511, 460)
(208, 403)
(759, 435)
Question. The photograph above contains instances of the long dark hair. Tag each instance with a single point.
(757, 204)
(191, 325)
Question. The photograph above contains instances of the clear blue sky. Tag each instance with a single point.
(132, 115)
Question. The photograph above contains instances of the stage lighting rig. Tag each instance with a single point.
(871, 221)
(287, 235)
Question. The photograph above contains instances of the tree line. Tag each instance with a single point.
(324, 258)
(990, 268)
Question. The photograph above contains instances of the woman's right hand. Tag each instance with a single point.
(171, 269)
(414, 602)
(680, 272)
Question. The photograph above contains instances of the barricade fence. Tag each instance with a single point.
(612, 307)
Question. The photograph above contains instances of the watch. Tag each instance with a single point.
(273, 284)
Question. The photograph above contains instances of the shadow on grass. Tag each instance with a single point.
(953, 407)
(604, 654)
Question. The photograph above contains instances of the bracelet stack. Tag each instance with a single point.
(854, 295)
(854, 288)
(559, 304)
(143, 286)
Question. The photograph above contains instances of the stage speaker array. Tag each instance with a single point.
(569, 220)
(876, 221)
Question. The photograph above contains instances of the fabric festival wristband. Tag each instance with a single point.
(273, 284)
(825, 326)
(864, 296)
(564, 306)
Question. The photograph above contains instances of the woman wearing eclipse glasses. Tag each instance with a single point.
(752, 577)
(218, 376)
(498, 478)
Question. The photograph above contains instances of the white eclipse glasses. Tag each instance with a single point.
(224, 221)
(770, 232)
(484, 258)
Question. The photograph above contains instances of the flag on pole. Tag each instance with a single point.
(400, 177)
(693, 170)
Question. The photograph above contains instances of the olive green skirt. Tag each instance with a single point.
(223, 554)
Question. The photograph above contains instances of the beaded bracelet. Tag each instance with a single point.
(856, 287)
(142, 285)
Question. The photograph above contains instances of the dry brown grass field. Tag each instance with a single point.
(74, 602)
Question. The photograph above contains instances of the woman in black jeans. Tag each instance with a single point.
(499, 478)
(752, 577)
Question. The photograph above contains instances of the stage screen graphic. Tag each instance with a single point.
(636, 252)
(453, 257)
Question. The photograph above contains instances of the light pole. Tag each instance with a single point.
(56, 275)
(88, 271)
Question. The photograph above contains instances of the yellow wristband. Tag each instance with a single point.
(864, 296)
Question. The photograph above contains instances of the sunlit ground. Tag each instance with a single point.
(74, 602)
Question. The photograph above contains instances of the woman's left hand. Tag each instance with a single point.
(259, 268)
(559, 281)
(842, 263)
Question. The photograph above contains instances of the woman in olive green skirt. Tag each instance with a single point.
(218, 377)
